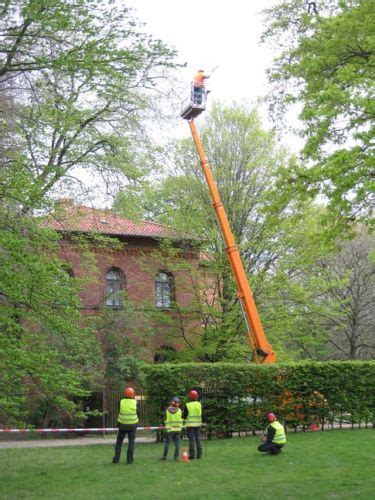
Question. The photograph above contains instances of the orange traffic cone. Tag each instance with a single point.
(185, 457)
(314, 427)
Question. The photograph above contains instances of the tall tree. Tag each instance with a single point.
(48, 359)
(245, 161)
(82, 75)
(351, 332)
(77, 77)
(326, 65)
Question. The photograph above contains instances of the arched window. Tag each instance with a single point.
(164, 290)
(114, 285)
(164, 354)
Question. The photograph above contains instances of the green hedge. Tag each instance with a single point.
(236, 397)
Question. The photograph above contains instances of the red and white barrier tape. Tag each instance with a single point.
(91, 429)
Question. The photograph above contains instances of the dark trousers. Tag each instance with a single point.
(272, 448)
(198, 95)
(194, 437)
(175, 437)
(130, 430)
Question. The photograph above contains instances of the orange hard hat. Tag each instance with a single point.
(193, 395)
(271, 417)
(129, 392)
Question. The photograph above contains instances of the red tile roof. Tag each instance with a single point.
(79, 218)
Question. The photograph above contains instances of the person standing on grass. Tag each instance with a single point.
(275, 437)
(192, 413)
(173, 424)
(127, 424)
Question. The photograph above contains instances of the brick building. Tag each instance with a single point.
(140, 276)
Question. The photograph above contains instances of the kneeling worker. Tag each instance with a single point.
(127, 424)
(173, 424)
(275, 438)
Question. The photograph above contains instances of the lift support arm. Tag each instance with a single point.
(260, 347)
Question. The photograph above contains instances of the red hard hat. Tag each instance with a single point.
(193, 395)
(129, 392)
(271, 417)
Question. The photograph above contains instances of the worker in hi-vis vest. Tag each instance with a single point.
(127, 424)
(275, 437)
(173, 427)
(192, 414)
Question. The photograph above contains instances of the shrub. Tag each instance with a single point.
(236, 397)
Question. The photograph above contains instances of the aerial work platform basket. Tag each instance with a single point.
(195, 103)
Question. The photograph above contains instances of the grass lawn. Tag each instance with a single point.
(334, 464)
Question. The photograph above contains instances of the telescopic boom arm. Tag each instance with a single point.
(260, 347)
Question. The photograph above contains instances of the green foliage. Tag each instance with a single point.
(47, 358)
(281, 240)
(238, 396)
(326, 64)
(244, 159)
(126, 335)
(86, 74)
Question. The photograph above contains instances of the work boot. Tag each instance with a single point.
(115, 460)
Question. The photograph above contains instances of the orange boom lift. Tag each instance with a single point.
(259, 345)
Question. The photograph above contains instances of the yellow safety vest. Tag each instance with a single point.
(279, 437)
(194, 418)
(173, 421)
(128, 412)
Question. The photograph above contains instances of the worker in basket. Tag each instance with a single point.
(199, 86)
(127, 424)
(275, 438)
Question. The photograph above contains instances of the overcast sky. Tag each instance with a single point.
(212, 34)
